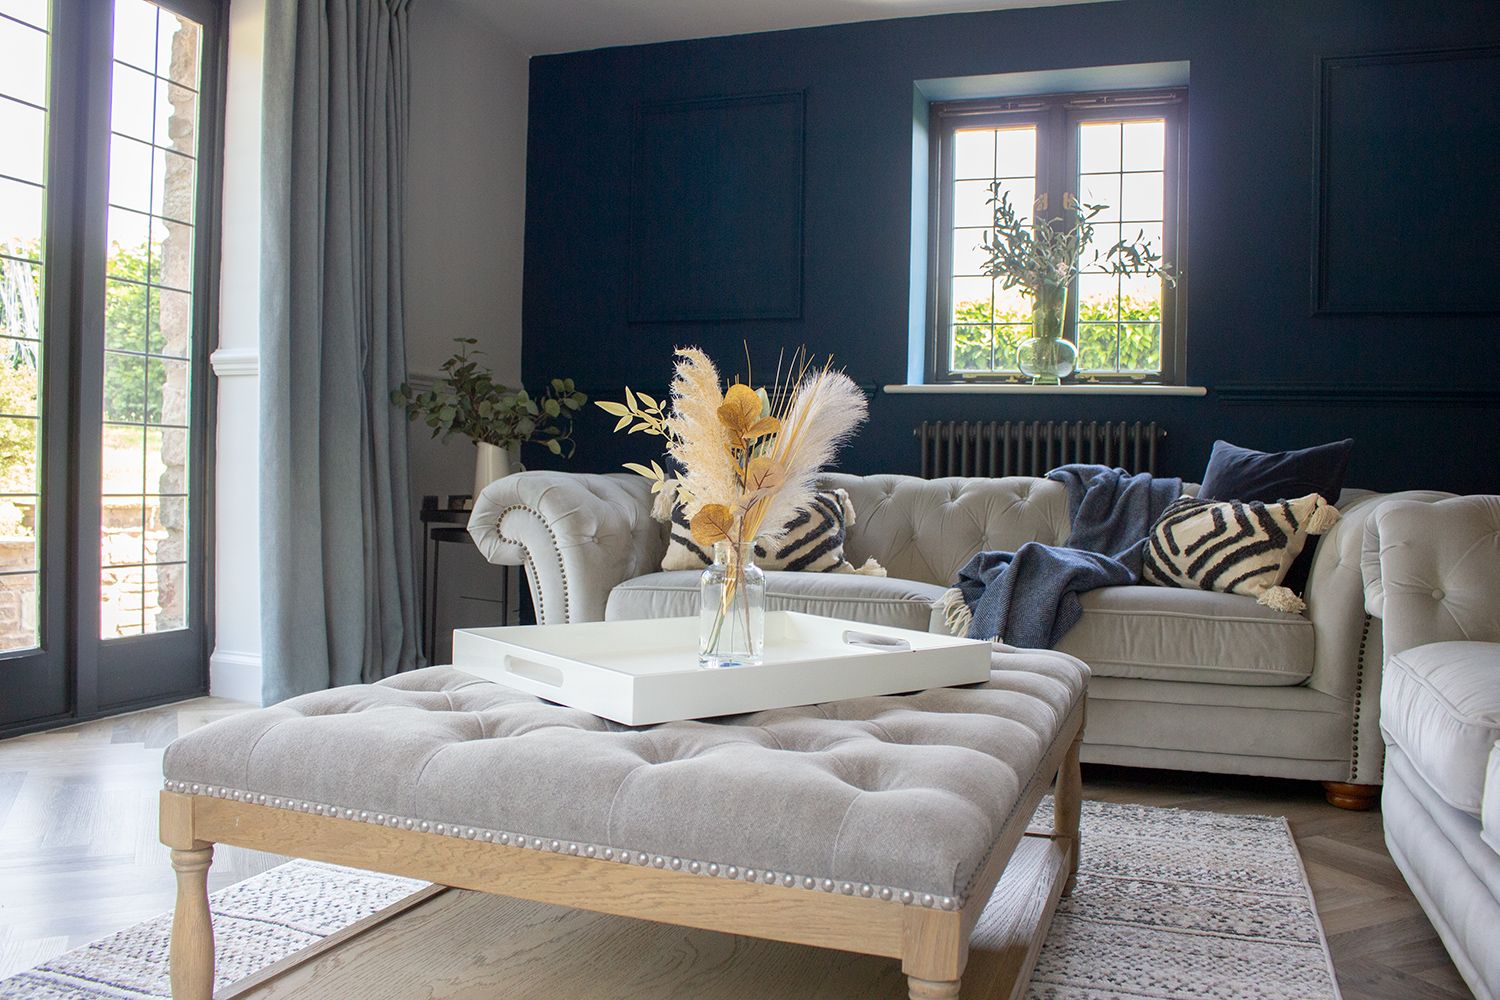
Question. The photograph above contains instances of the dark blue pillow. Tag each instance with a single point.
(1236, 473)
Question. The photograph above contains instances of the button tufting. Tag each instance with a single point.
(1437, 595)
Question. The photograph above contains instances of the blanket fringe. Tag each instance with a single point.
(1282, 599)
(956, 613)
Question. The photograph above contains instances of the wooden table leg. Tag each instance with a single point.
(192, 927)
(1067, 806)
(929, 989)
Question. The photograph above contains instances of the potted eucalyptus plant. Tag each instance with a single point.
(1041, 257)
(498, 419)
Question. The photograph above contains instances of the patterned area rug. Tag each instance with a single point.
(1169, 904)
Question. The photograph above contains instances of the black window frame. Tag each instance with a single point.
(1056, 118)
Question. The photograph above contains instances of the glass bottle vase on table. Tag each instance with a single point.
(1047, 357)
(732, 608)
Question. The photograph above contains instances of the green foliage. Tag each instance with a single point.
(1139, 336)
(469, 401)
(1040, 254)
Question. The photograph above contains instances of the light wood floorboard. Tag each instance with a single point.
(79, 859)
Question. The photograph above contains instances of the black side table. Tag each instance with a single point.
(439, 525)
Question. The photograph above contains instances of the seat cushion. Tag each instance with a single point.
(1441, 704)
(1162, 633)
(875, 599)
(905, 793)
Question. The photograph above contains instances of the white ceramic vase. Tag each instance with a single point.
(491, 462)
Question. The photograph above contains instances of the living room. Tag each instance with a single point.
(1071, 421)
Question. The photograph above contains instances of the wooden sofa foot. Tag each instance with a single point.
(1349, 796)
(931, 989)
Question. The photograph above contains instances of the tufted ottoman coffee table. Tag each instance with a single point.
(875, 825)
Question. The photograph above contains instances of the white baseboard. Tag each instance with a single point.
(234, 675)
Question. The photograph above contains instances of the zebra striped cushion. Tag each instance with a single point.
(1234, 546)
(813, 541)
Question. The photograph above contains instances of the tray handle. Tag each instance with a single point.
(879, 643)
(539, 673)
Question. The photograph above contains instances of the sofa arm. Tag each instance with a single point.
(1347, 651)
(577, 535)
(1439, 575)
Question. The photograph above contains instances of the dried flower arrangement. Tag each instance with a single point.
(748, 459)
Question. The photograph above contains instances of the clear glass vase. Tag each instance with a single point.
(732, 609)
(1047, 357)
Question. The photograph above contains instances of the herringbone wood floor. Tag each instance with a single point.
(79, 857)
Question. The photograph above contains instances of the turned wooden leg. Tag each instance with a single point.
(1067, 805)
(1347, 796)
(931, 989)
(192, 927)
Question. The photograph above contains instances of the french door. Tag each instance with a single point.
(108, 133)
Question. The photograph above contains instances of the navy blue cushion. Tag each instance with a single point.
(1236, 473)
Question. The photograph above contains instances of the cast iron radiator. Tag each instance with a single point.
(1030, 448)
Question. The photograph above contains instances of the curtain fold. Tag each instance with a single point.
(337, 595)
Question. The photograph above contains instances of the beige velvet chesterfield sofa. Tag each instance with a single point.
(1181, 679)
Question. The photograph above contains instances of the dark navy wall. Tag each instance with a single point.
(1416, 392)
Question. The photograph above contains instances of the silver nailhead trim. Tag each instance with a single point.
(710, 869)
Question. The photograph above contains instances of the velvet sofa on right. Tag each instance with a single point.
(1433, 577)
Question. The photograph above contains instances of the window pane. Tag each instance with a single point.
(1099, 147)
(23, 70)
(20, 219)
(1097, 294)
(135, 33)
(124, 388)
(17, 539)
(23, 151)
(1008, 337)
(176, 118)
(124, 460)
(1141, 197)
(121, 602)
(130, 174)
(172, 254)
(19, 385)
(167, 391)
(1140, 298)
(1015, 152)
(172, 186)
(1011, 306)
(18, 611)
(1096, 347)
(122, 538)
(167, 460)
(1101, 189)
(974, 154)
(18, 457)
(127, 308)
(166, 529)
(172, 322)
(1140, 347)
(971, 349)
(129, 235)
(167, 607)
(1106, 235)
(972, 299)
(33, 12)
(20, 304)
(177, 44)
(132, 101)
(969, 255)
(1144, 145)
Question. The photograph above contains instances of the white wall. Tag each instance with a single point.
(234, 667)
(465, 214)
(465, 209)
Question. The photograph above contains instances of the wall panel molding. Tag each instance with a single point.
(1344, 394)
(231, 362)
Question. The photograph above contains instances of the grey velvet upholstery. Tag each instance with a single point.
(1435, 578)
(1198, 681)
(908, 791)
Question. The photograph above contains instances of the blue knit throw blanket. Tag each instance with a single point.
(1029, 598)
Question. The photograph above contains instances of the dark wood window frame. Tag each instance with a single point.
(1056, 118)
(73, 675)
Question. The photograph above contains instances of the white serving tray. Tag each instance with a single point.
(644, 672)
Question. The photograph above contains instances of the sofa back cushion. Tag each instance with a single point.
(926, 529)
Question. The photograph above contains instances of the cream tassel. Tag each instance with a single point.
(956, 613)
(666, 499)
(1323, 517)
(1282, 598)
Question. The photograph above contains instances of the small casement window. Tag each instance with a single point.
(1123, 150)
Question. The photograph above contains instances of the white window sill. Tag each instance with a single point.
(1021, 388)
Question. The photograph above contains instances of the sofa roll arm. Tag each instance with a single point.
(1347, 642)
(1439, 578)
(577, 535)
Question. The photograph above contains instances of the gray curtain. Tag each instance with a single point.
(336, 562)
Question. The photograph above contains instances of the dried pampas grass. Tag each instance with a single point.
(820, 416)
(707, 471)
